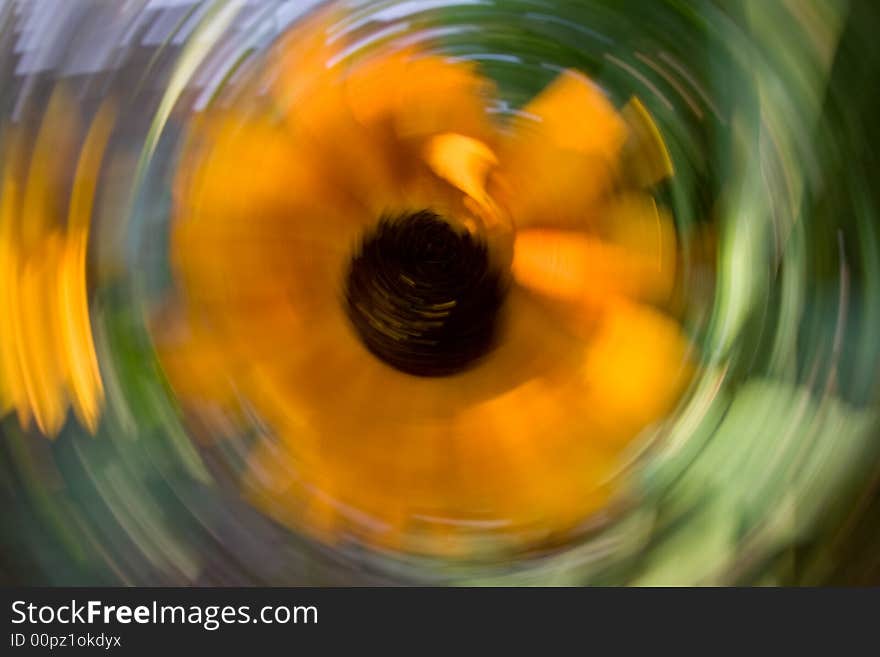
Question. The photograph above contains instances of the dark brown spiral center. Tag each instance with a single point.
(422, 296)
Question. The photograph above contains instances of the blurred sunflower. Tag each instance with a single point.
(450, 325)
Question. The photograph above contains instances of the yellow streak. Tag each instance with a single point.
(36, 245)
(39, 351)
(47, 354)
(84, 377)
(12, 387)
(647, 151)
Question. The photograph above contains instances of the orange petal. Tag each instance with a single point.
(637, 366)
(420, 95)
(559, 162)
(404, 99)
(369, 118)
(636, 258)
(575, 114)
(245, 169)
(302, 58)
(646, 232)
(527, 455)
(462, 161)
(311, 95)
(465, 163)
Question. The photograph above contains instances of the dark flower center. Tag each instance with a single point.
(422, 296)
